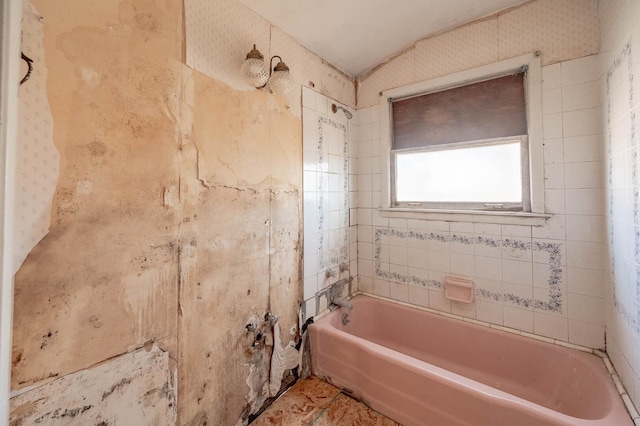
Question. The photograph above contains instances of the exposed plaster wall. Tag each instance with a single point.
(240, 249)
(105, 277)
(176, 219)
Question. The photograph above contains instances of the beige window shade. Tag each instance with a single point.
(485, 110)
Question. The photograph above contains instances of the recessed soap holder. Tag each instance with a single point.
(458, 289)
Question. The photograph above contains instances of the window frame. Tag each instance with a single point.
(533, 95)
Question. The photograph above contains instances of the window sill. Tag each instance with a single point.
(475, 216)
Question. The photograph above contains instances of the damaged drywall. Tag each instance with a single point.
(104, 279)
(176, 216)
(240, 245)
(137, 388)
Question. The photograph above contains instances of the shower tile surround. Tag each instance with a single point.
(620, 29)
(549, 280)
(546, 280)
(327, 202)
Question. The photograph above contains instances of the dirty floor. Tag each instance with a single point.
(314, 402)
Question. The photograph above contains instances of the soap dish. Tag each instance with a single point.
(458, 289)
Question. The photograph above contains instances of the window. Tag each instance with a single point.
(470, 141)
(463, 147)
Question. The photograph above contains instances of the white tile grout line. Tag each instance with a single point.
(631, 409)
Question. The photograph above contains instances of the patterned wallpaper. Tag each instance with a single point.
(562, 30)
(220, 33)
(37, 157)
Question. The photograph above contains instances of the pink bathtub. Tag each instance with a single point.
(422, 369)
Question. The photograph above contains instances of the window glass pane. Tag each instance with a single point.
(485, 174)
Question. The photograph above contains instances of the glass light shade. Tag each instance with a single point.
(254, 72)
(280, 82)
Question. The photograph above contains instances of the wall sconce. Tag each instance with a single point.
(256, 74)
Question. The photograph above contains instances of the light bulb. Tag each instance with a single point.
(280, 82)
(253, 69)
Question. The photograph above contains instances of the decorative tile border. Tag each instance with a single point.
(554, 304)
(632, 318)
(323, 192)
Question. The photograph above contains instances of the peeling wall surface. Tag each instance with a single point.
(36, 155)
(176, 220)
(138, 387)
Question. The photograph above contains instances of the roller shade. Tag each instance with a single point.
(485, 110)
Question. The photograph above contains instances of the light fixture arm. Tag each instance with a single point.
(280, 66)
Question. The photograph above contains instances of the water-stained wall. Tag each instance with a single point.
(176, 219)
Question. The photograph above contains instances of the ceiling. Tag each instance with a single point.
(357, 35)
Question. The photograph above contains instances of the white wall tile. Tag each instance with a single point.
(588, 282)
(586, 308)
(582, 122)
(554, 176)
(517, 272)
(519, 319)
(419, 296)
(586, 228)
(584, 201)
(551, 326)
(553, 151)
(462, 264)
(381, 288)
(488, 267)
(438, 301)
(438, 260)
(489, 312)
(583, 175)
(583, 148)
(399, 291)
(552, 126)
(554, 201)
(585, 254)
(581, 96)
(552, 101)
(585, 334)
(463, 309)
(310, 286)
(582, 70)
(552, 76)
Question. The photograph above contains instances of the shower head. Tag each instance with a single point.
(335, 109)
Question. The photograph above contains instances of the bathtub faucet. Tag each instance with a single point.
(340, 301)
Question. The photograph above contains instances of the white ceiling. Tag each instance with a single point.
(357, 35)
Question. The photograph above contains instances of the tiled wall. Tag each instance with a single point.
(620, 29)
(327, 182)
(547, 280)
